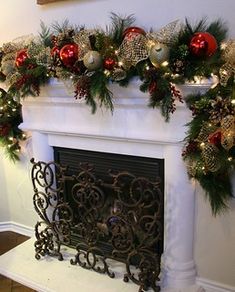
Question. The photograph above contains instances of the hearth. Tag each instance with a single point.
(106, 206)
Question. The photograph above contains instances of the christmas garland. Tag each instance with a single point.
(10, 118)
(91, 59)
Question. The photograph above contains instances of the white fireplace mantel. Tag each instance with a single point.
(56, 119)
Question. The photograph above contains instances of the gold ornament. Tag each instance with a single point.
(210, 157)
(92, 60)
(228, 132)
(159, 53)
(204, 133)
(132, 51)
(228, 69)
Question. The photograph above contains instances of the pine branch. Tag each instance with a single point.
(100, 91)
(45, 35)
(118, 25)
(218, 190)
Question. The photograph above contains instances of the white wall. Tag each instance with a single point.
(215, 237)
(4, 205)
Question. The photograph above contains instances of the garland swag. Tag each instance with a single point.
(92, 59)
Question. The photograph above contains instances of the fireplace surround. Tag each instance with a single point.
(57, 120)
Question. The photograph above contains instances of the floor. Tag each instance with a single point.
(8, 240)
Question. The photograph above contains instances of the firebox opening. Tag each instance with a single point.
(114, 188)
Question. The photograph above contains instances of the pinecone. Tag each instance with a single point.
(220, 108)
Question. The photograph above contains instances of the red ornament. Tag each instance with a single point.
(109, 63)
(215, 138)
(69, 54)
(133, 31)
(4, 130)
(21, 56)
(55, 51)
(203, 44)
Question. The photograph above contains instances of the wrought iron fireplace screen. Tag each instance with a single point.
(103, 213)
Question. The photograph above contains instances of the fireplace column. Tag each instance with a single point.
(178, 266)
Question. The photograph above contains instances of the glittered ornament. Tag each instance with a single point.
(210, 157)
(228, 69)
(203, 44)
(82, 39)
(109, 63)
(69, 54)
(92, 60)
(158, 54)
(132, 50)
(132, 31)
(166, 34)
(21, 56)
(228, 132)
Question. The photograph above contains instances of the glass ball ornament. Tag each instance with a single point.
(215, 138)
(69, 54)
(158, 54)
(92, 60)
(109, 63)
(21, 56)
(203, 44)
(132, 31)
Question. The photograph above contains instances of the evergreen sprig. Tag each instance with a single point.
(217, 184)
(118, 25)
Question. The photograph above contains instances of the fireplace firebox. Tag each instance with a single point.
(107, 206)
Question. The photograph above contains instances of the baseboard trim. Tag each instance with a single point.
(213, 286)
(16, 227)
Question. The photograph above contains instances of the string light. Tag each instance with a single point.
(106, 72)
(230, 158)
(164, 64)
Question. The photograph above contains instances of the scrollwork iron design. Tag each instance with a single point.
(56, 216)
(122, 220)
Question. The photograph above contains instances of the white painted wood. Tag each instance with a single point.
(16, 227)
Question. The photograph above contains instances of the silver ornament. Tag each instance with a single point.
(158, 54)
(92, 60)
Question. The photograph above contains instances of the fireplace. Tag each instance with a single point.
(106, 206)
(133, 130)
